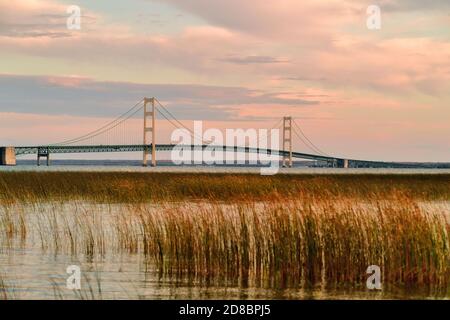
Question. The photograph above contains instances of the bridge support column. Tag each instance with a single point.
(287, 141)
(342, 163)
(7, 156)
(149, 127)
(43, 153)
(346, 163)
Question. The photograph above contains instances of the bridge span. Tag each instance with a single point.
(46, 151)
(94, 141)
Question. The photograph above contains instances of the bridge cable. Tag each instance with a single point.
(276, 125)
(117, 124)
(314, 151)
(96, 132)
(165, 117)
(173, 117)
(313, 146)
(90, 134)
(192, 133)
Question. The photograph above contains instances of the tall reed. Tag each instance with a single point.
(298, 242)
(129, 187)
(282, 231)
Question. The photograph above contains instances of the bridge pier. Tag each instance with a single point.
(342, 163)
(43, 153)
(346, 163)
(7, 156)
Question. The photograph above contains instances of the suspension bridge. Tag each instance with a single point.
(135, 131)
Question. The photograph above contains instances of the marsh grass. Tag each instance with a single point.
(294, 243)
(246, 230)
(129, 187)
(265, 244)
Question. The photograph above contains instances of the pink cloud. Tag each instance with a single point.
(310, 50)
(38, 19)
(228, 50)
(68, 81)
(305, 21)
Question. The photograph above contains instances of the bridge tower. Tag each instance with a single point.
(287, 141)
(149, 127)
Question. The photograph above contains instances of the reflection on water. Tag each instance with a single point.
(33, 265)
(29, 274)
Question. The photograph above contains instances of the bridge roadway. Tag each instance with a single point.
(333, 161)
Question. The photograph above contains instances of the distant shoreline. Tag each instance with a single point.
(230, 170)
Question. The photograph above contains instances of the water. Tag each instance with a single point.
(299, 167)
(33, 266)
(32, 274)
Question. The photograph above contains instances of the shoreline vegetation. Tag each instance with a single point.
(132, 187)
(275, 232)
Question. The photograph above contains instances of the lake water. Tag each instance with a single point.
(167, 166)
(33, 265)
(32, 268)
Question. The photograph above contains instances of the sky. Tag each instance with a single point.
(357, 92)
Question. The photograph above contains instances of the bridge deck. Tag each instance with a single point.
(43, 150)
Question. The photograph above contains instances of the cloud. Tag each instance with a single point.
(302, 41)
(389, 65)
(407, 5)
(253, 60)
(233, 48)
(194, 49)
(314, 59)
(37, 18)
(86, 97)
(23, 18)
(284, 19)
(294, 78)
